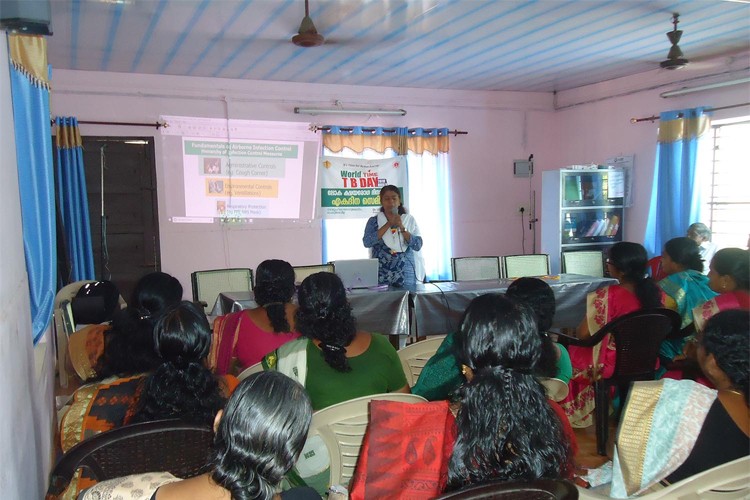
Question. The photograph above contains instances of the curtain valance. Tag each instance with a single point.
(68, 133)
(28, 54)
(683, 125)
(401, 140)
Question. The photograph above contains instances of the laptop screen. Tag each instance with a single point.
(357, 273)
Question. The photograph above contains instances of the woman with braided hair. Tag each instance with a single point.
(333, 360)
(182, 387)
(506, 427)
(242, 338)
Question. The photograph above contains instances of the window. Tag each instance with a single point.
(727, 197)
(428, 200)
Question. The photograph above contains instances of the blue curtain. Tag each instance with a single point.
(72, 199)
(676, 194)
(31, 116)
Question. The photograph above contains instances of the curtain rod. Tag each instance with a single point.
(653, 118)
(158, 125)
(326, 128)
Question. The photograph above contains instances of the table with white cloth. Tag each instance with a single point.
(381, 310)
(438, 306)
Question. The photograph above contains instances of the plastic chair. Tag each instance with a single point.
(657, 272)
(65, 295)
(475, 268)
(541, 489)
(342, 428)
(587, 263)
(638, 336)
(413, 357)
(63, 317)
(727, 481)
(207, 285)
(256, 368)
(302, 272)
(519, 266)
(163, 445)
(556, 389)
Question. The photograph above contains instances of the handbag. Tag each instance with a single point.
(405, 452)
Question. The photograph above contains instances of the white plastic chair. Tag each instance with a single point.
(519, 266)
(587, 263)
(302, 272)
(413, 357)
(64, 327)
(256, 368)
(556, 389)
(475, 268)
(342, 428)
(726, 482)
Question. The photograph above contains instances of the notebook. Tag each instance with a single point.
(357, 273)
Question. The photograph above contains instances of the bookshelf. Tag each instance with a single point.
(581, 210)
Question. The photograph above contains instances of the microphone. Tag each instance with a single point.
(394, 211)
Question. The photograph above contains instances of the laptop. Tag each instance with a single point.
(357, 273)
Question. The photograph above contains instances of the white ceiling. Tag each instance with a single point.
(543, 45)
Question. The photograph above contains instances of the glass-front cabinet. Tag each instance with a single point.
(581, 210)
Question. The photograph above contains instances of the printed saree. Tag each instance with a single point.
(685, 291)
(95, 408)
(591, 363)
(738, 299)
(658, 429)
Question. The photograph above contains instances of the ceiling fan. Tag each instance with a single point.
(675, 58)
(308, 36)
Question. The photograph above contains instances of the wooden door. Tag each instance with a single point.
(131, 239)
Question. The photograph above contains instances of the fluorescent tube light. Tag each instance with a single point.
(690, 90)
(344, 111)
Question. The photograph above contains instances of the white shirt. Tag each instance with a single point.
(707, 249)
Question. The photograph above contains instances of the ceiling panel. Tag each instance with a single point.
(543, 45)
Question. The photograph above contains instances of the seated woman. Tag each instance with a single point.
(441, 376)
(506, 428)
(128, 356)
(729, 276)
(538, 295)
(627, 263)
(243, 338)
(685, 285)
(671, 430)
(258, 439)
(334, 361)
(94, 306)
(181, 387)
(129, 349)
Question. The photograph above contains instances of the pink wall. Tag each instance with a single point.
(589, 125)
(601, 129)
(486, 197)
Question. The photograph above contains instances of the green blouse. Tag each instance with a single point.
(441, 376)
(375, 371)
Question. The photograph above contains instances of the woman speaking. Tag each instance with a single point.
(393, 237)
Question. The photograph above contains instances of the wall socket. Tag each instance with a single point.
(523, 210)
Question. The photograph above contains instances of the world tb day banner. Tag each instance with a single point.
(350, 188)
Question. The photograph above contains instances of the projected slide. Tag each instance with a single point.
(242, 179)
(236, 171)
